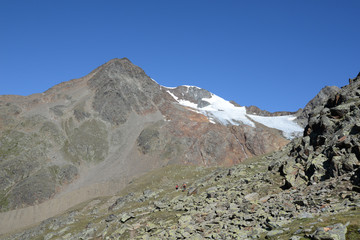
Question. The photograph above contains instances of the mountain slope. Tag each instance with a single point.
(308, 190)
(110, 126)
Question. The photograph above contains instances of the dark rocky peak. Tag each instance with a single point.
(120, 88)
(119, 70)
(234, 103)
(331, 144)
(257, 111)
(192, 94)
(124, 66)
(357, 78)
(316, 104)
(348, 94)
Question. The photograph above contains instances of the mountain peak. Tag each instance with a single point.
(124, 59)
(118, 68)
(123, 63)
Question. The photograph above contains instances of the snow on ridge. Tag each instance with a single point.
(183, 102)
(188, 104)
(224, 112)
(219, 110)
(168, 87)
(285, 124)
(188, 86)
(173, 95)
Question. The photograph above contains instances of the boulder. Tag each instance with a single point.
(125, 217)
(333, 232)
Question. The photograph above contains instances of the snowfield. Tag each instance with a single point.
(286, 124)
(225, 113)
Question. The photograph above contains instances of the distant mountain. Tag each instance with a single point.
(117, 123)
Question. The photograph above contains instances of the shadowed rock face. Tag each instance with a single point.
(317, 102)
(257, 111)
(330, 146)
(110, 126)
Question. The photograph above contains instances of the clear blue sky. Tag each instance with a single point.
(276, 55)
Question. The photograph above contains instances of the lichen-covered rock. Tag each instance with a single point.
(333, 232)
(125, 217)
(329, 147)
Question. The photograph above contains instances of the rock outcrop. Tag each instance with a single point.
(257, 111)
(317, 102)
(330, 146)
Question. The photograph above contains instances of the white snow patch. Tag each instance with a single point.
(173, 95)
(225, 112)
(169, 87)
(211, 120)
(188, 104)
(183, 102)
(188, 86)
(286, 124)
(222, 111)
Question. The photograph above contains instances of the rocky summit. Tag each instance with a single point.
(100, 158)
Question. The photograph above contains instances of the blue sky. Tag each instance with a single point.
(276, 55)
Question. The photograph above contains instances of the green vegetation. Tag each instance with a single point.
(54, 171)
(4, 202)
(148, 137)
(88, 142)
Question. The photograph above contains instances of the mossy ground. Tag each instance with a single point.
(4, 202)
(352, 216)
(162, 181)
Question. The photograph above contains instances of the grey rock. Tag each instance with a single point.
(160, 205)
(110, 218)
(150, 227)
(333, 232)
(121, 201)
(304, 215)
(252, 196)
(125, 217)
(149, 193)
(319, 100)
(273, 233)
(185, 220)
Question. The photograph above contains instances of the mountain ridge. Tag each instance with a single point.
(111, 126)
(310, 189)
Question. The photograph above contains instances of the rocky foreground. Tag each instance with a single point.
(242, 202)
(308, 190)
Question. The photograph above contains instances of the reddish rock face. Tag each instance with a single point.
(111, 125)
